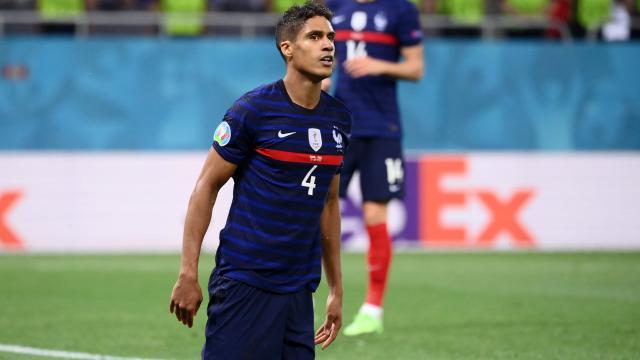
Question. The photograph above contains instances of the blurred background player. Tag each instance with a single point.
(377, 43)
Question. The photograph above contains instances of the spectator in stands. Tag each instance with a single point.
(145, 4)
(591, 15)
(560, 16)
(122, 5)
(635, 12)
(535, 10)
(17, 4)
(60, 16)
(250, 6)
(109, 5)
(467, 15)
(618, 28)
(184, 17)
(240, 5)
(24, 5)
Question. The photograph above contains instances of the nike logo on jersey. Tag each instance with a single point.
(338, 19)
(284, 135)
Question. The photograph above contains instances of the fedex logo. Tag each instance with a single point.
(503, 211)
(8, 238)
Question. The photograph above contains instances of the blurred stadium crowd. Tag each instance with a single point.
(607, 20)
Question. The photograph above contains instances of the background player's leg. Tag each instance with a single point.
(369, 318)
(379, 255)
(381, 179)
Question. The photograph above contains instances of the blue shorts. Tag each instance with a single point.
(381, 166)
(245, 322)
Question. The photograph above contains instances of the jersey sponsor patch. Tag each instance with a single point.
(223, 134)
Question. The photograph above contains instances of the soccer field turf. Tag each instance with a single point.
(439, 306)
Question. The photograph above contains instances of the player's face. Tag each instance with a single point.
(313, 49)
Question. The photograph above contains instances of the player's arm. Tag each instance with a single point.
(187, 296)
(330, 232)
(411, 67)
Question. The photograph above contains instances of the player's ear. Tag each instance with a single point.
(287, 49)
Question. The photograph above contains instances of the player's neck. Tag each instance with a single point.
(302, 91)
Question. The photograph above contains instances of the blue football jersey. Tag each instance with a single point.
(378, 29)
(287, 156)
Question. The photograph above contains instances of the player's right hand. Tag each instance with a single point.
(186, 298)
(360, 66)
(331, 326)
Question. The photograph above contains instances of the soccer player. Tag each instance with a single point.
(283, 144)
(377, 43)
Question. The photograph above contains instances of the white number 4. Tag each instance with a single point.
(309, 181)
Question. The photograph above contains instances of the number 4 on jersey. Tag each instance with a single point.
(309, 181)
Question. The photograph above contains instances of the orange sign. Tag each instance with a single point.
(434, 200)
(8, 239)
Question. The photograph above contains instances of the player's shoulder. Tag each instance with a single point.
(334, 103)
(253, 100)
(262, 92)
(337, 108)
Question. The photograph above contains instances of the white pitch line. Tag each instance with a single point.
(17, 349)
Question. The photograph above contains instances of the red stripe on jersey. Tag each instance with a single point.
(301, 157)
(368, 36)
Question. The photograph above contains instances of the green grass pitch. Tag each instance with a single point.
(439, 306)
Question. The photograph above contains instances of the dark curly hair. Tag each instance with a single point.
(294, 18)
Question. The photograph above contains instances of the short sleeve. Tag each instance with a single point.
(233, 138)
(409, 29)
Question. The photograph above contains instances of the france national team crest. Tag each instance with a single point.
(337, 137)
(315, 139)
(222, 134)
(359, 20)
(380, 21)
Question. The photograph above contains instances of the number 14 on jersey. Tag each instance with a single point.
(356, 49)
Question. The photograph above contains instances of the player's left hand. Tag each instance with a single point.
(186, 298)
(329, 330)
(363, 66)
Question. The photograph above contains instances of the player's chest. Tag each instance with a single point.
(322, 137)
